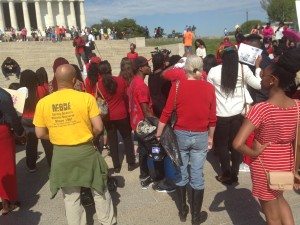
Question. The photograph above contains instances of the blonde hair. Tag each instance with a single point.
(194, 66)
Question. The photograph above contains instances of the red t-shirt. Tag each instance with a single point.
(132, 56)
(41, 92)
(138, 92)
(79, 45)
(174, 74)
(88, 87)
(117, 102)
(195, 107)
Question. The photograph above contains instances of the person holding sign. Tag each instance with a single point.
(8, 121)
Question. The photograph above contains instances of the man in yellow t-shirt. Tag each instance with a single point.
(188, 40)
(70, 119)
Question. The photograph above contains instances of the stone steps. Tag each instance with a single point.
(32, 55)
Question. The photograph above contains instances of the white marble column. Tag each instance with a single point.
(2, 21)
(13, 16)
(50, 13)
(26, 15)
(61, 14)
(38, 15)
(82, 15)
(73, 16)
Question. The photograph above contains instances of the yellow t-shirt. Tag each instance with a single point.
(66, 114)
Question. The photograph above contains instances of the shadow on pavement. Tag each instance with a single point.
(240, 205)
(212, 158)
(28, 194)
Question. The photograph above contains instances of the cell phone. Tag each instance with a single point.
(155, 150)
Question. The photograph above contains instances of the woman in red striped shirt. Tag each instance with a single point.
(274, 124)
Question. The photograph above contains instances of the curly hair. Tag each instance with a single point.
(93, 74)
(126, 70)
(107, 79)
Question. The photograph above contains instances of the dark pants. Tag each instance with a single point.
(32, 145)
(226, 130)
(79, 57)
(123, 126)
(143, 159)
(87, 51)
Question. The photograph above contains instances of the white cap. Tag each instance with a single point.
(237, 26)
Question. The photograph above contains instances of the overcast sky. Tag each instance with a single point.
(209, 16)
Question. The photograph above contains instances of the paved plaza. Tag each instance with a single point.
(134, 206)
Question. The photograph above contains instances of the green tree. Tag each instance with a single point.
(280, 10)
(247, 26)
(125, 27)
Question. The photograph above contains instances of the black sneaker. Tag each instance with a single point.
(163, 187)
(86, 197)
(146, 182)
(132, 166)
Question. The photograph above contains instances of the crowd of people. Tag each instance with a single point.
(199, 101)
(60, 33)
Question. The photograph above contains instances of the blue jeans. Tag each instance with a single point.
(193, 150)
(188, 49)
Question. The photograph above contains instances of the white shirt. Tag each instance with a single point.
(201, 52)
(279, 34)
(90, 39)
(233, 104)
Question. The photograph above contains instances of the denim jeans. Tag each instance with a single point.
(193, 150)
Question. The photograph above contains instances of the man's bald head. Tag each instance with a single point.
(65, 75)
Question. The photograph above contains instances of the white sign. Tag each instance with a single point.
(18, 97)
(248, 54)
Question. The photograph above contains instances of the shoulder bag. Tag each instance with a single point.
(282, 180)
(102, 104)
(173, 119)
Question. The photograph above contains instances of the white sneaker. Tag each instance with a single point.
(136, 160)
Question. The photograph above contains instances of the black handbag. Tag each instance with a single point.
(173, 118)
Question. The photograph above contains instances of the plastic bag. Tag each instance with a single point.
(146, 131)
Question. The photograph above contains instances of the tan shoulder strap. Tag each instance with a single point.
(98, 92)
(297, 132)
